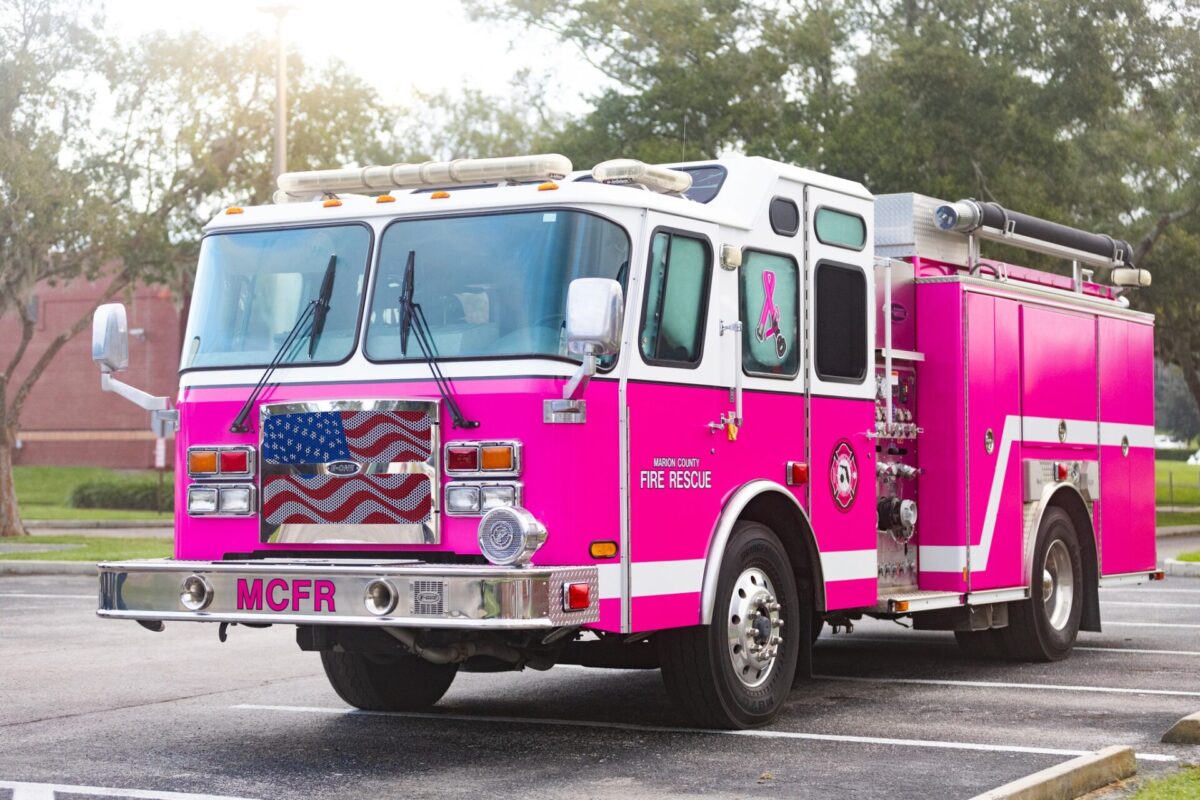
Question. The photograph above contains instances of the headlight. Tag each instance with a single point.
(462, 499)
(510, 536)
(498, 497)
(235, 500)
(202, 500)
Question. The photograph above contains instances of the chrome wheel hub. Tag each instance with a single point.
(1058, 585)
(755, 628)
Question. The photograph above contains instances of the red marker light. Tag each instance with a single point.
(577, 596)
(462, 459)
(1060, 471)
(797, 473)
(235, 461)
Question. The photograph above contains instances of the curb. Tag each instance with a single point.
(1184, 569)
(1070, 779)
(73, 524)
(1186, 731)
(1167, 531)
(31, 567)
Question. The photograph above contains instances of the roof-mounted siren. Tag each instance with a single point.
(994, 222)
(295, 186)
(631, 171)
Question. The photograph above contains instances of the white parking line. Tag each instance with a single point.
(1150, 624)
(756, 733)
(1148, 605)
(1010, 685)
(1143, 589)
(49, 596)
(904, 638)
(1140, 651)
(47, 791)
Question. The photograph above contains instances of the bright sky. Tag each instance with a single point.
(396, 45)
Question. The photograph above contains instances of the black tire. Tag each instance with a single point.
(1031, 635)
(987, 644)
(399, 682)
(698, 662)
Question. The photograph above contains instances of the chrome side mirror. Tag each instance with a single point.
(110, 338)
(595, 308)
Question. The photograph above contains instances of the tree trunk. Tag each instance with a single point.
(10, 513)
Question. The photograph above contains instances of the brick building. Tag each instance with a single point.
(67, 419)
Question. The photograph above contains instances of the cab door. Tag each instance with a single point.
(841, 385)
(673, 391)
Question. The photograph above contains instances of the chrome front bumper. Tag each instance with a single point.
(333, 592)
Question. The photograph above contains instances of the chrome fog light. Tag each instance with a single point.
(510, 536)
(202, 500)
(380, 597)
(196, 594)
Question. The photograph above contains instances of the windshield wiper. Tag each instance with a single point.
(413, 318)
(316, 311)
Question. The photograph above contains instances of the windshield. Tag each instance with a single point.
(491, 285)
(252, 286)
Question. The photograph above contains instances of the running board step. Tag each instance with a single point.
(908, 602)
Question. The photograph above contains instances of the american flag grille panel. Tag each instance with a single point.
(318, 437)
(361, 500)
(364, 437)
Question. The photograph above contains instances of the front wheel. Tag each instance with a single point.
(1044, 627)
(738, 671)
(397, 682)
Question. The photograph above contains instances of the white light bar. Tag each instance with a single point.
(306, 185)
(654, 178)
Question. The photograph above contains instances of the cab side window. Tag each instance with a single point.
(770, 295)
(676, 305)
(841, 322)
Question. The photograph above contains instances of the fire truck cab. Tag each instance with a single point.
(498, 413)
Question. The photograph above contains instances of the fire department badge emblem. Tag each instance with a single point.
(843, 475)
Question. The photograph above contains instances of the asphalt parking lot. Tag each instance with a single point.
(115, 710)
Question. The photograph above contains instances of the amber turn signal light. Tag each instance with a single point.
(202, 462)
(602, 549)
(498, 458)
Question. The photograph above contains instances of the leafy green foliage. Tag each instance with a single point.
(1087, 113)
(142, 495)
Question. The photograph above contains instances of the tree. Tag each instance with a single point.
(53, 227)
(126, 197)
(1082, 111)
(473, 124)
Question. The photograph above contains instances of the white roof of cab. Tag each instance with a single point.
(748, 180)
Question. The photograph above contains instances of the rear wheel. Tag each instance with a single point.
(394, 682)
(737, 672)
(1044, 627)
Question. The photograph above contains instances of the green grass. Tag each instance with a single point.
(92, 548)
(1187, 483)
(1189, 556)
(43, 492)
(1183, 785)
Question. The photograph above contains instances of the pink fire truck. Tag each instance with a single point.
(493, 414)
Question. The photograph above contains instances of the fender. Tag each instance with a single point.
(1035, 510)
(742, 497)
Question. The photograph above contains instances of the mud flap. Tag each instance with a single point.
(804, 659)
